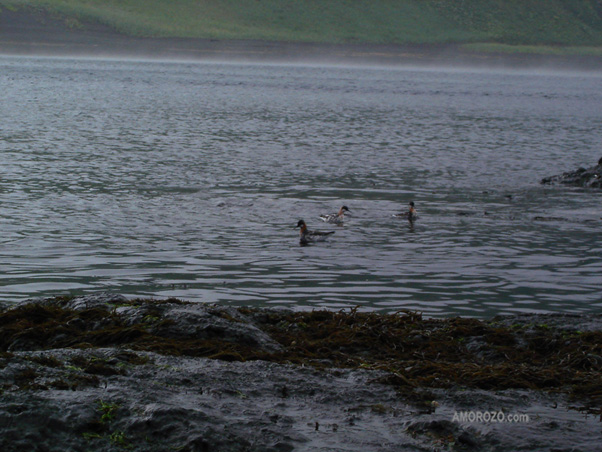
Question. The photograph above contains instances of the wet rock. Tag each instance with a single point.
(205, 322)
(97, 300)
(446, 433)
(543, 218)
(468, 440)
(123, 320)
(192, 404)
(582, 177)
(559, 321)
(105, 373)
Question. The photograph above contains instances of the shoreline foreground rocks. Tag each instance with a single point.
(103, 373)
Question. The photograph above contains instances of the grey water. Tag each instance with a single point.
(186, 179)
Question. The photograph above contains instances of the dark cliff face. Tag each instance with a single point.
(581, 177)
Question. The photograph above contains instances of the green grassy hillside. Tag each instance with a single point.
(510, 22)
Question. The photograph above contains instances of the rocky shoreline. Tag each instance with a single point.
(103, 373)
(581, 177)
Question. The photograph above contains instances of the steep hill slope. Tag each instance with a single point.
(524, 22)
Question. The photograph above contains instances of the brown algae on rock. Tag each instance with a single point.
(343, 362)
(414, 351)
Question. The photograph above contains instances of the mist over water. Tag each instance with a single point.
(187, 179)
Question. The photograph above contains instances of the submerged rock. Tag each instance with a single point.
(582, 177)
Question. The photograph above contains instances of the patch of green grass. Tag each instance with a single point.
(566, 22)
(531, 49)
(119, 439)
(91, 435)
(107, 411)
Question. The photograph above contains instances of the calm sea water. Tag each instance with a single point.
(162, 179)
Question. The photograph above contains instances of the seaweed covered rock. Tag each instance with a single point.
(582, 177)
(103, 372)
(101, 300)
(166, 326)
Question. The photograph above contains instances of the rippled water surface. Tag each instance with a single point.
(187, 179)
